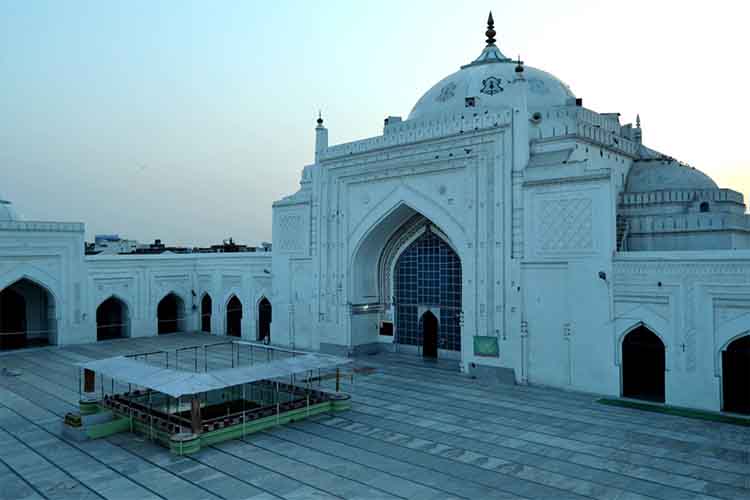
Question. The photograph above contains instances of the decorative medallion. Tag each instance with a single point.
(537, 86)
(447, 92)
(491, 86)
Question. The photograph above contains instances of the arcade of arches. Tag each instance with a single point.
(643, 365)
(170, 314)
(27, 315)
(264, 320)
(206, 305)
(112, 319)
(735, 361)
(234, 317)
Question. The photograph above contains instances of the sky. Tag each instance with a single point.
(184, 120)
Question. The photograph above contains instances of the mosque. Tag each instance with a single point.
(501, 227)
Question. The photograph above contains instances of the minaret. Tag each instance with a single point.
(321, 137)
(638, 134)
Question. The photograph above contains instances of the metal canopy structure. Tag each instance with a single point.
(178, 383)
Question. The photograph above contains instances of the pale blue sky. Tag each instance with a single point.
(185, 120)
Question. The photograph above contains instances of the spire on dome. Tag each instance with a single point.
(490, 54)
(490, 33)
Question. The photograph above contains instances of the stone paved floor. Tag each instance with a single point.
(415, 431)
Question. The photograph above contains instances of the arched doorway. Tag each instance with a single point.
(643, 365)
(735, 378)
(264, 320)
(234, 317)
(429, 335)
(170, 314)
(427, 275)
(27, 315)
(111, 319)
(206, 305)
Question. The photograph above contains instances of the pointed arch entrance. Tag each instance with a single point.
(264, 320)
(234, 317)
(430, 327)
(427, 275)
(735, 379)
(112, 319)
(206, 306)
(170, 314)
(27, 315)
(643, 365)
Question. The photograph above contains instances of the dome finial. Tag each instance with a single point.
(320, 118)
(490, 30)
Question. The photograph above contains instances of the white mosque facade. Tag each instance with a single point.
(501, 225)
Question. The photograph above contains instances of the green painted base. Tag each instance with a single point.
(678, 411)
(105, 429)
(88, 406)
(185, 444)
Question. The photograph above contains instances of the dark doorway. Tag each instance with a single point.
(170, 314)
(643, 365)
(111, 319)
(234, 317)
(206, 305)
(735, 368)
(12, 320)
(27, 315)
(264, 320)
(429, 335)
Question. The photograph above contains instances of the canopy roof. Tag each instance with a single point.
(177, 383)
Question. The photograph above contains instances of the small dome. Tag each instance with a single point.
(7, 212)
(666, 175)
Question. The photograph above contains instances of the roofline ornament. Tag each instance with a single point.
(490, 33)
(490, 53)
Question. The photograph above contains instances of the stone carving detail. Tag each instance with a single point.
(407, 231)
(229, 282)
(291, 229)
(491, 86)
(564, 225)
(447, 92)
(726, 314)
(537, 86)
(690, 330)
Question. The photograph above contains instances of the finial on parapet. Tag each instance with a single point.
(519, 65)
(638, 121)
(490, 30)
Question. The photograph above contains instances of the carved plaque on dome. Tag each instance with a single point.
(537, 86)
(447, 92)
(491, 86)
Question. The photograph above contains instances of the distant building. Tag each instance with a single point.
(110, 244)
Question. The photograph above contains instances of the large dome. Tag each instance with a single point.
(485, 81)
(7, 212)
(666, 175)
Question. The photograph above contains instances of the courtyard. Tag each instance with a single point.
(416, 430)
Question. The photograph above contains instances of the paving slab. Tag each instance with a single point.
(417, 430)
